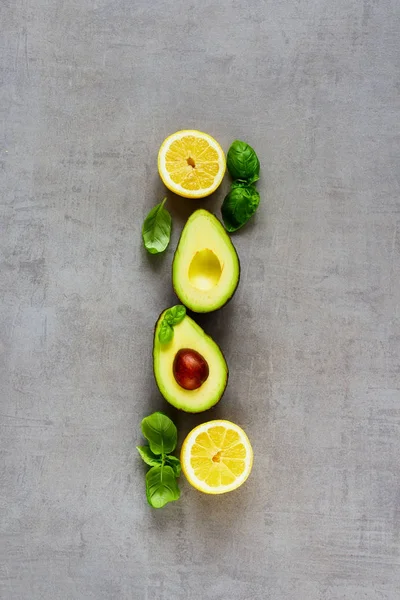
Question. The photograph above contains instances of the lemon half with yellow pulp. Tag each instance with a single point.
(191, 163)
(217, 457)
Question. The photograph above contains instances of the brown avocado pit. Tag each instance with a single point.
(190, 369)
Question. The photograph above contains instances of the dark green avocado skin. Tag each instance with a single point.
(233, 292)
(181, 409)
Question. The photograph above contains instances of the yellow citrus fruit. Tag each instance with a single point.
(217, 457)
(191, 163)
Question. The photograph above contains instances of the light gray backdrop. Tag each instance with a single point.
(90, 88)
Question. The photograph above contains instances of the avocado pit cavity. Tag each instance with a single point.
(205, 270)
(190, 369)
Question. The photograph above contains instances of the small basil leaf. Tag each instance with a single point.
(175, 315)
(175, 463)
(156, 230)
(148, 456)
(161, 486)
(160, 432)
(238, 206)
(242, 162)
(166, 333)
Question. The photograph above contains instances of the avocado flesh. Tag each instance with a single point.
(189, 335)
(206, 269)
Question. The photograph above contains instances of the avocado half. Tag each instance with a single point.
(206, 268)
(187, 334)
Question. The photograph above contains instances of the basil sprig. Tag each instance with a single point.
(239, 205)
(161, 484)
(243, 199)
(242, 162)
(166, 333)
(173, 316)
(156, 230)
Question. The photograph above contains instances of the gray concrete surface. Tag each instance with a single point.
(89, 90)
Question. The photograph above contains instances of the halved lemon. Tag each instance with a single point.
(191, 163)
(217, 457)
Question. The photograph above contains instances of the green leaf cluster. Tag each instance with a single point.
(243, 199)
(173, 316)
(242, 162)
(162, 436)
(156, 230)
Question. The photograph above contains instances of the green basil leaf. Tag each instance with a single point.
(166, 332)
(238, 206)
(156, 230)
(160, 432)
(242, 162)
(161, 486)
(175, 463)
(148, 456)
(175, 315)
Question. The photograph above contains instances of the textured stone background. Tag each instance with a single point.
(89, 89)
